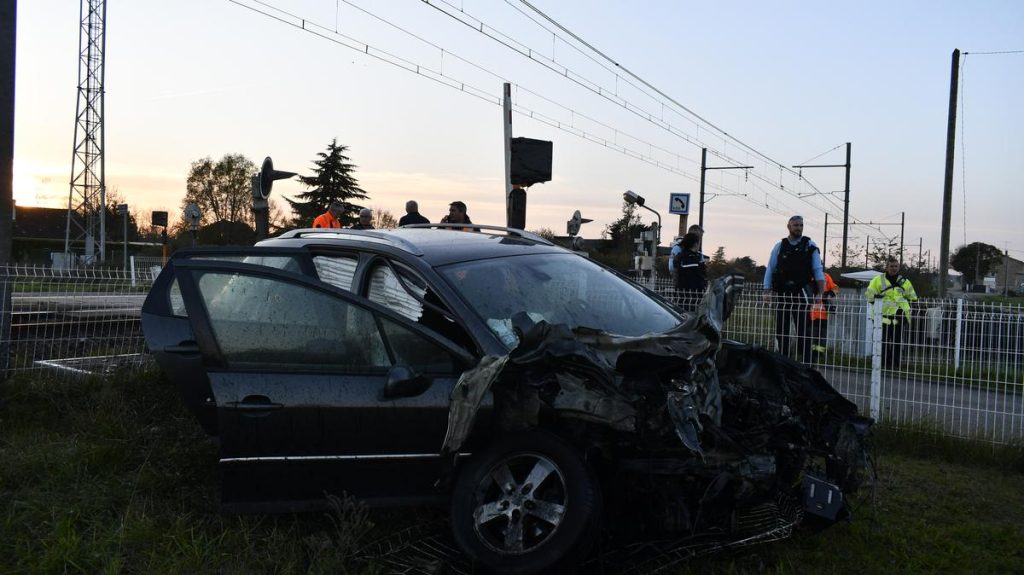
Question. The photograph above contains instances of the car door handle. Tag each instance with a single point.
(254, 404)
(183, 348)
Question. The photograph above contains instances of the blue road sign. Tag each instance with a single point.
(679, 204)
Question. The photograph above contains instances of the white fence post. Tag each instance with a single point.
(959, 330)
(133, 270)
(876, 358)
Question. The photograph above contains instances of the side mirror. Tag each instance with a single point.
(404, 382)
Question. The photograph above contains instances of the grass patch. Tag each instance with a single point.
(116, 477)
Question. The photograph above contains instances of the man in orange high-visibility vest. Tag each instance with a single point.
(819, 319)
(331, 218)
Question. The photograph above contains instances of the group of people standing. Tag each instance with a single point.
(796, 283)
(331, 219)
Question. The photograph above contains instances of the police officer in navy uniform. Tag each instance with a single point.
(795, 280)
(691, 275)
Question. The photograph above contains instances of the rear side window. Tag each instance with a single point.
(336, 270)
(272, 323)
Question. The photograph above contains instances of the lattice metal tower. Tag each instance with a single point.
(88, 196)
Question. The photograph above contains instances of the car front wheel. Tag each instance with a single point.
(527, 504)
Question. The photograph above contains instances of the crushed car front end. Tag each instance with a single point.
(686, 433)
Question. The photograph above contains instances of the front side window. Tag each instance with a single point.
(405, 292)
(413, 350)
(286, 263)
(558, 289)
(271, 322)
(403, 297)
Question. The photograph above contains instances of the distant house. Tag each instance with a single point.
(1010, 269)
(37, 232)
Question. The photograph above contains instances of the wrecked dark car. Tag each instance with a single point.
(535, 392)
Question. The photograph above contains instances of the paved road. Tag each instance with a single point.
(961, 409)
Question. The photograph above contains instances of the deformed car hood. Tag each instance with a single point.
(591, 366)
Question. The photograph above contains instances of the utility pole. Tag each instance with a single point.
(506, 120)
(846, 196)
(903, 220)
(8, 37)
(824, 242)
(1006, 271)
(947, 188)
(977, 264)
(704, 168)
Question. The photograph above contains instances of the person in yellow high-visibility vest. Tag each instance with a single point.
(896, 293)
(819, 319)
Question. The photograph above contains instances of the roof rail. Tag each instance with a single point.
(339, 233)
(477, 227)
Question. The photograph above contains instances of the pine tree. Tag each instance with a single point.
(332, 180)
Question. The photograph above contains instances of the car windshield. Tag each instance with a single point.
(557, 288)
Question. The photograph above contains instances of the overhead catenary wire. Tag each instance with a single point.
(438, 75)
(479, 26)
(324, 32)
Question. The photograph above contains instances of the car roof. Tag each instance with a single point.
(437, 245)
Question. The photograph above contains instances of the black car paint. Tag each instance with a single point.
(321, 427)
(362, 467)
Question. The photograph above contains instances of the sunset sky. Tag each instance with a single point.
(790, 80)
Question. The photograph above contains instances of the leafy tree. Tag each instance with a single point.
(854, 255)
(115, 221)
(279, 221)
(974, 261)
(624, 230)
(744, 265)
(222, 189)
(881, 252)
(546, 233)
(332, 180)
(384, 219)
(718, 263)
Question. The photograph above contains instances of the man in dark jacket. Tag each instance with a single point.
(412, 215)
(691, 275)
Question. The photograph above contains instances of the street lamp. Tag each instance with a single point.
(632, 198)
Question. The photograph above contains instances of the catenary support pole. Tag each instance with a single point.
(846, 205)
(903, 221)
(947, 188)
(703, 173)
(824, 242)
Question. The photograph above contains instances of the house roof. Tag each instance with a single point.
(40, 223)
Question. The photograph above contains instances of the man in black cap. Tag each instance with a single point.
(796, 278)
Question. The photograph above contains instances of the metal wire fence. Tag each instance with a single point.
(73, 322)
(959, 366)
